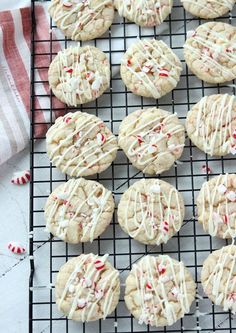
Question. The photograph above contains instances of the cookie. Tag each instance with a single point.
(210, 52)
(151, 211)
(78, 75)
(79, 144)
(159, 290)
(82, 20)
(149, 68)
(218, 277)
(208, 9)
(211, 124)
(148, 13)
(87, 288)
(152, 139)
(79, 210)
(216, 204)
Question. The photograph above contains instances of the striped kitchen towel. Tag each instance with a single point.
(15, 45)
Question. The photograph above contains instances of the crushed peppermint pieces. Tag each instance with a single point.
(99, 264)
(101, 139)
(21, 177)
(161, 268)
(16, 247)
(206, 168)
(81, 303)
(222, 189)
(164, 72)
(148, 285)
(231, 196)
(164, 226)
(67, 119)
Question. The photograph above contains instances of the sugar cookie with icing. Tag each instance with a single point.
(208, 9)
(82, 19)
(216, 204)
(210, 52)
(159, 290)
(78, 75)
(150, 68)
(218, 277)
(87, 288)
(211, 124)
(79, 210)
(152, 139)
(79, 144)
(151, 211)
(146, 13)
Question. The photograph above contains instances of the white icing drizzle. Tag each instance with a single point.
(226, 296)
(216, 218)
(211, 51)
(223, 3)
(151, 11)
(159, 47)
(85, 128)
(143, 150)
(77, 81)
(147, 212)
(76, 280)
(85, 10)
(97, 203)
(168, 308)
(218, 110)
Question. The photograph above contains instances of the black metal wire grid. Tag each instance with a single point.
(191, 245)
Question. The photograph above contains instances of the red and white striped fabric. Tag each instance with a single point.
(15, 44)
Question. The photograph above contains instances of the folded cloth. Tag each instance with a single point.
(15, 72)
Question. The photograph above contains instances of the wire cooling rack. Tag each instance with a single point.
(191, 245)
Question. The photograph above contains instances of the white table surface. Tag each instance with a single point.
(14, 270)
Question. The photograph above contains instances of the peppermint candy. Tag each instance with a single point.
(62, 196)
(96, 83)
(90, 75)
(222, 189)
(16, 248)
(175, 291)
(234, 134)
(71, 288)
(152, 149)
(161, 268)
(21, 177)
(99, 294)
(67, 119)
(206, 168)
(81, 303)
(164, 226)
(191, 33)
(63, 223)
(67, 4)
(217, 218)
(68, 70)
(86, 282)
(146, 69)
(231, 196)
(99, 264)
(232, 297)
(148, 285)
(225, 219)
(101, 139)
(233, 150)
(140, 139)
(164, 72)
(155, 188)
